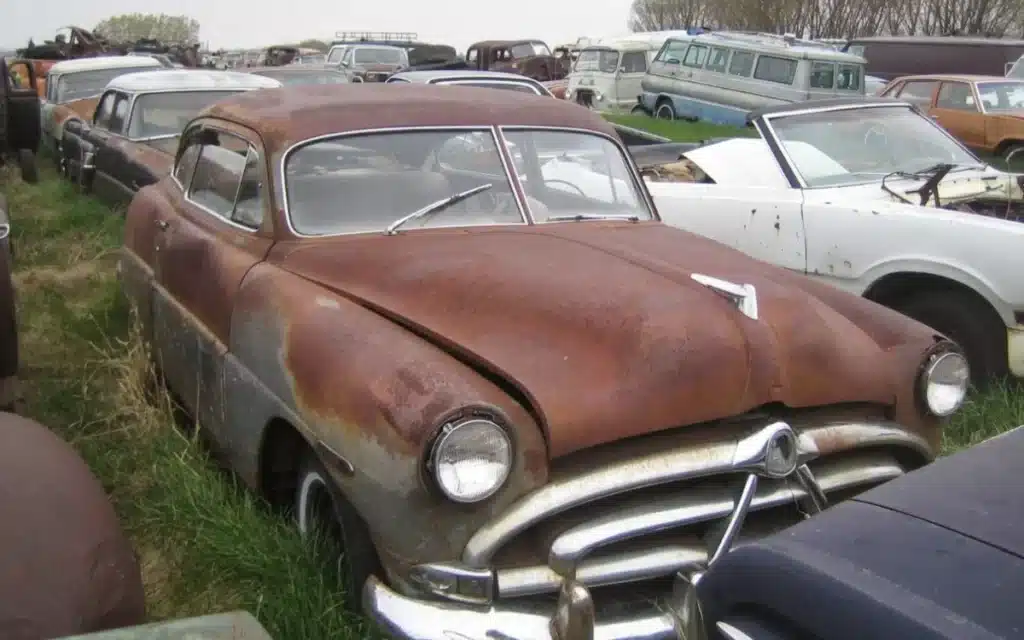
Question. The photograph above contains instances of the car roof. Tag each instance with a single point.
(295, 114)
(105, 62)
(294, 68)
(961, 77)
(462, 74)
(952, 40)
(824, 105)
(190, 79)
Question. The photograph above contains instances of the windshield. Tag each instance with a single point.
(527, 49)
(378, 56)
(1001, 96)
(336, 54)
(88, 84)
(164, 114)
(834, 148)
(603, 60)
(364, 183)
(292, 77)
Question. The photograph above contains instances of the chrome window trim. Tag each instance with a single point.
(766, 122)
(216, 214)
(524, 213)
(627, 159)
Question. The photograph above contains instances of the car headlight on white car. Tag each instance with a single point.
(944, 382)
(471, 459)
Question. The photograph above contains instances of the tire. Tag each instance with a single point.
(970, 322)
(1015, 149)
(27, 164)
(318, 505)
(664, 110)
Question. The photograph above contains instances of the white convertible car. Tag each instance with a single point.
(872, 197)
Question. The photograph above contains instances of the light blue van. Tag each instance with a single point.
(721, 76)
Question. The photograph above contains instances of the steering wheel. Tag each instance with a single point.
(566, 183)
(876, 131)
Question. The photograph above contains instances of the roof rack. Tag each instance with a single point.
(771, 39)
(374, 36)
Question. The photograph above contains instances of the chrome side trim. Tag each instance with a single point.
(681, 463)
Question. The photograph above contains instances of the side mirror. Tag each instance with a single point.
(672, 61)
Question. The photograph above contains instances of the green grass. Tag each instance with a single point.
(206, 544)
(679, 130)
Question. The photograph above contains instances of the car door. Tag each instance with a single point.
(211, 236)
(632, 68)
(957, 110)
(111, 182)
(23, 129)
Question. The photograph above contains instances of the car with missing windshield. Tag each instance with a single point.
(473, 78)
(130, 139)
(492, 385)
(373, 62)
(531, 58)
(871, 196)
(983, 112)
(296, 74)
(74, 86)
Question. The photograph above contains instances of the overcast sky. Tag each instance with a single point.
(255, 23)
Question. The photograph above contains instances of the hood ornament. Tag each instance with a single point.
(744, 296)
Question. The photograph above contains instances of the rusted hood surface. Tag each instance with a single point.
(603, 328)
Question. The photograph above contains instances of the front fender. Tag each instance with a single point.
(376, 394)
(964, 274)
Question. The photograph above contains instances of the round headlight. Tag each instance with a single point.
(944, 383)
(471, 459)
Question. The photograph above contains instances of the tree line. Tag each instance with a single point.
(835, 18)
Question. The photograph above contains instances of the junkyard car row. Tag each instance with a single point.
(465, 331)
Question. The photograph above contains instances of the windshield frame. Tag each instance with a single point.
(135, 98)
(766, 129)
(501, 144)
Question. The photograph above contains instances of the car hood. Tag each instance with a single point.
(601, 326)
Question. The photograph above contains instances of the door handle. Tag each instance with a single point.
(162, 225)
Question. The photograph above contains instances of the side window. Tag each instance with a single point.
(634, 62)
(218, 174)
(718, 60)
(347, 59)
(104, 111)
(823, 75)
(956, 95)
(849, 77)
(671, 52)
(51, 88)
(695, 56)
(471, 56)
(891, 90)
(742, 63)
(186, 164)
(117, 120)
(773, 69)
(918, 92)
(249, 202)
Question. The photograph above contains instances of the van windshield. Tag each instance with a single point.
(603, 60)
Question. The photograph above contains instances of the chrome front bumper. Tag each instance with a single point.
(403, 617)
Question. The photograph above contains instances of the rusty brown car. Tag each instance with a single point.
(986, 113)
(492, 385)
(531, 58)
(130, 139)
(67, 566)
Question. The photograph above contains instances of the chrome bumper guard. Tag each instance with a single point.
(772, 454)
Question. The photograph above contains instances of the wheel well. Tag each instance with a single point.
(890, 290)
(280, 454)
(1006, 144)
(662, 100)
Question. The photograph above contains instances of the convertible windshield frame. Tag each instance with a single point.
(766, 128)
(502, 146)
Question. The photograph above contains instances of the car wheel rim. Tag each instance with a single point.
(665, 112)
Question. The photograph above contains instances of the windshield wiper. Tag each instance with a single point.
(436, 207)
(579, 217)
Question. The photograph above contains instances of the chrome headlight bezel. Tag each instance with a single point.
(449, 434)
(946, 355)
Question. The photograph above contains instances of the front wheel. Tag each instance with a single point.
(322, 513)
(665, 111)
(967, 320)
